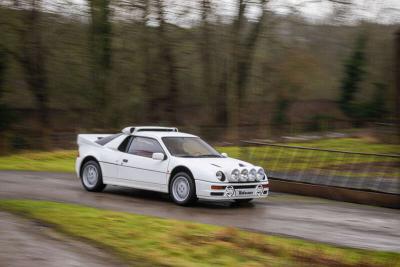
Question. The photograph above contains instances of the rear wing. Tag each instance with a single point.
(133, 129)
(90, 139)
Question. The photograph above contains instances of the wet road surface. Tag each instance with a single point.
(338, 223)
(26, 243)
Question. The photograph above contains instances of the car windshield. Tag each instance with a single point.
(190, 147)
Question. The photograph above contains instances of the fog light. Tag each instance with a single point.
(252, 175)
(235, 175)
(229, 191)
(260, 174)
(244, 175)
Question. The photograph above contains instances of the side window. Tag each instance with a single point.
(144, 147)
(124, 144)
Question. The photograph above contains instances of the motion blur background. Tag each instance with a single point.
(307, 89)
(226, 70)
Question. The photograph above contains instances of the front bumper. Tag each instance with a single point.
(220, 191)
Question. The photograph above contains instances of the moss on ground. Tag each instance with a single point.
(150, 241)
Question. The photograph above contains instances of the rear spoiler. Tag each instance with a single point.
(133, 129)
(90, 139)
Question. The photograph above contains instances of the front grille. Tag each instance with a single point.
(244, 186)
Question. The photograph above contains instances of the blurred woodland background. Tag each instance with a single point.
(100, 65)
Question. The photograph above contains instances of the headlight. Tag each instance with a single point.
(220, 176)
(244, 175)
(260, 174)
(252, 175)
(235, 175)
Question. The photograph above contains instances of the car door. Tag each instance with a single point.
(139, 169)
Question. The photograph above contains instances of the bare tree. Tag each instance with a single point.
(31, 55)
(243, 47)
(171, 100)
(205, 52)
(147, 86)
(100, 51)
(397, 75)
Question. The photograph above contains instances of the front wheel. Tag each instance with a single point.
(91, 177)
(182, 189)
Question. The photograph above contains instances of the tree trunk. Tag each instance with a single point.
(222, 98)
(205, 52)
(33, 61)
(167, 55)
(233, 108)
(397, 74)
(242, 57)
(147, 83)
(100, 51)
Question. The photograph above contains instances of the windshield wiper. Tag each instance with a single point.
(209, 156)
(199, 156)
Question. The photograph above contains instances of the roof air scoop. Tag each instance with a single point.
(130, 129)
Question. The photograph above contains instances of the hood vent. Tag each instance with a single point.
(215, 165)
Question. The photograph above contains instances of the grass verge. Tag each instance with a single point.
(287, 160)
(149, 241)
(54, 161)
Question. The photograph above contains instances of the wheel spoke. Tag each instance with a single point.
(181, 188)
(90, 176)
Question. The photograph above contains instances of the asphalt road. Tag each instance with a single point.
(26, 243)
(338, 223)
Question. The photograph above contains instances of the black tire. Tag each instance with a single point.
(243, 201)
(97, 185)
(191, 196)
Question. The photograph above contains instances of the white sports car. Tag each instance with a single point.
(165, 160)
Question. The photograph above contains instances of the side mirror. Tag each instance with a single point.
(158, 156)
(224, 155)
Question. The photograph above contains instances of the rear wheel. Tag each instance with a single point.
(91, 177)
(182, 189)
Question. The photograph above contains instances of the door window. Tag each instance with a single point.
(144, 147)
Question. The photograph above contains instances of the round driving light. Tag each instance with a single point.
(229, 191)
(235, 175)
(244, 175)
(220, 176)
(259, 190)
(260, 175)
(252, 175)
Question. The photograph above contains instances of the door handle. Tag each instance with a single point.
(125, 160)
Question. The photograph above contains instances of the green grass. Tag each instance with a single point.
(295, 160)
(54, 161)
(150, 241)
(271, 158)
(346, 144)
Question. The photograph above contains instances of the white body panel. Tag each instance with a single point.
(146, 172)
(124, 169)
